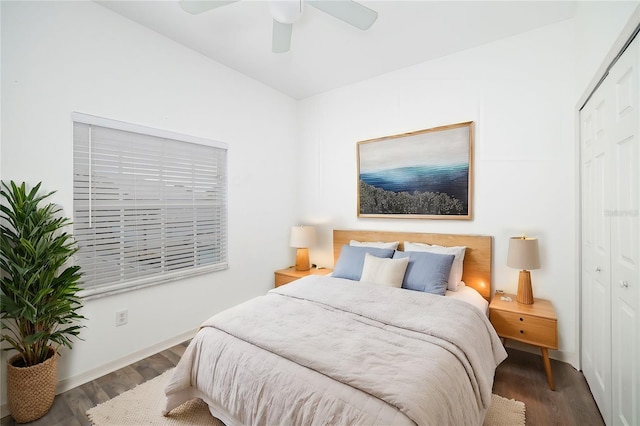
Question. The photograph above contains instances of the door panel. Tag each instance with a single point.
(596, 118)
(625, 237)
(625, 364)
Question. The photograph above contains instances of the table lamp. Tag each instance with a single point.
(524, 255)
(302, 237)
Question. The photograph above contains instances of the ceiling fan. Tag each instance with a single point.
(286, 12)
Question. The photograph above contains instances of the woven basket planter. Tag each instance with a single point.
(31, 390)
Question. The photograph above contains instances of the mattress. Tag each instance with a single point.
(328, 350)
(471, 296)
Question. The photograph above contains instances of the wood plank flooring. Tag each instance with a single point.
(69, 408)
(520, 377)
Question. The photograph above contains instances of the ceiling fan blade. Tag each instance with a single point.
(348, 11)
(281, 40)
(195, 7)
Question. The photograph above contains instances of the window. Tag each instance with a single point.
(150, 206)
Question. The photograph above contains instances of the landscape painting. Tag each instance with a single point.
(425, 174)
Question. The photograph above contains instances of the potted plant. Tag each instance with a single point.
(39, 305)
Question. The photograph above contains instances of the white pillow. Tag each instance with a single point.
(384, 271)
(455, 276)
(378, 244)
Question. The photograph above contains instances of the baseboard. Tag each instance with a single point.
(90, 375)
(566, 357)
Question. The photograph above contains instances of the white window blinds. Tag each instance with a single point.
(149, 206)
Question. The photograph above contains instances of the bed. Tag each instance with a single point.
(334, 350)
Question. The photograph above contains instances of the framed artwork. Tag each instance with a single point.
(426, 174)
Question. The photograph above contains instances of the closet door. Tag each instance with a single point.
(625, 236)
(610, 162)
(596, 123)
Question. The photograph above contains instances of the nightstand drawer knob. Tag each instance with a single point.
(624, 284)
(521, 331)
(521, 319)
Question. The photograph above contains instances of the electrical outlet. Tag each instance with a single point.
(122, 317)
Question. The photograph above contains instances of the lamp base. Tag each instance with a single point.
(302, 259)
(525, 292)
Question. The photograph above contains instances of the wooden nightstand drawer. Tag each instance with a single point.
(285, 276)
(284, 279)
(535, 324)
(525, 328)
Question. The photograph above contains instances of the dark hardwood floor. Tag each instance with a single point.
(69, 408)
(519, 377)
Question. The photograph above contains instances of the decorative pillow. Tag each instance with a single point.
(426, 272)
(387, 272)
(351, 260)
(455, 276)
(378, 244)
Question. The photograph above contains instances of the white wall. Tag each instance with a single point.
(520, 94)
(59, 57)
(521, 91)
(598, 25)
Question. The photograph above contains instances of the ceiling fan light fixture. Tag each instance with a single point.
(286, 11)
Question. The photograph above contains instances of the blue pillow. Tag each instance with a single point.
(351, 260)
(426, 272)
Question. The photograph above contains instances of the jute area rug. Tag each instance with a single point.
(143, 406)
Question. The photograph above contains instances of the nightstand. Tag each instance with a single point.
(535, 324)
(285, 276)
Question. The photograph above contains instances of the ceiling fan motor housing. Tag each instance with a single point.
(286, 11)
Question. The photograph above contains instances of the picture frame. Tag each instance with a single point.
(425, 174)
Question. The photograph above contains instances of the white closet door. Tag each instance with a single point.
(625, 236)
(596, 122)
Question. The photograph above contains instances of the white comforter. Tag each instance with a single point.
(325, 350)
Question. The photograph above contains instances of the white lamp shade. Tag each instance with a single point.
(523, 253)
(302, 236)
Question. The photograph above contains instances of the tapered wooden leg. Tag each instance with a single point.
(547, 367)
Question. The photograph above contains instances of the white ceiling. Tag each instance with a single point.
(327, 53)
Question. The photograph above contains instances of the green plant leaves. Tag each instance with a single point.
(38, 287)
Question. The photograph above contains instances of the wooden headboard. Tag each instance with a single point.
(476, 271)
